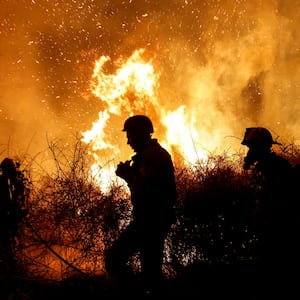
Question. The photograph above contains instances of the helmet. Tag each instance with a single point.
(8, 165)
(138, 123)
(258, 136)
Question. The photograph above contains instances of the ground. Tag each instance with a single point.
(241, 282)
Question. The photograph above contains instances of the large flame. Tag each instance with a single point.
(132, 88)
(202, 70)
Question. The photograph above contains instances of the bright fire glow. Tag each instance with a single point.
(202, 70)
(130, 89)
(133, 88)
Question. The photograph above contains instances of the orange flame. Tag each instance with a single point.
(131, 89)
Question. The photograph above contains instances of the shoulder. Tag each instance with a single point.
(154, 151)
(278, 166)
(281, 161)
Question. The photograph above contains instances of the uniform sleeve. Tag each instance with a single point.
(155, 192)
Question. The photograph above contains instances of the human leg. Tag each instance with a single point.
(117, 258)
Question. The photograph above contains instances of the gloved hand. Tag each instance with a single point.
(124, 170)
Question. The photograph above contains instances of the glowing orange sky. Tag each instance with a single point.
(230, 64)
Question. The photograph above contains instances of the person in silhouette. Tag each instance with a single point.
(151, 180)
(272, 214)
(12, 196)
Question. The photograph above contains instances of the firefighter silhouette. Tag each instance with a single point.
(150, 177)
(12, 198)
(274, 224)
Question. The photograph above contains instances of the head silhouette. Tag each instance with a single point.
(258, 137)
(139, 129)
(259, 141)
(8, 166)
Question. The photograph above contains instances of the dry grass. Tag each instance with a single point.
(71, 223)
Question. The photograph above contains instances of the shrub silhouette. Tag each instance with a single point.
(71, 221)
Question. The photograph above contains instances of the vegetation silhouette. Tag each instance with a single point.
(71, 222)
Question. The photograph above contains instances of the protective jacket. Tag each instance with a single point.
(152, 185)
